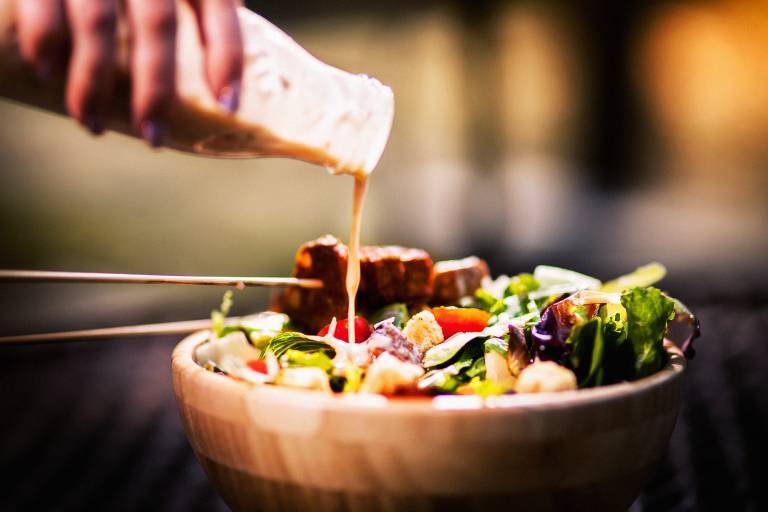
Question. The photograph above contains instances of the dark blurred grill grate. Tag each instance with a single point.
(95, 427)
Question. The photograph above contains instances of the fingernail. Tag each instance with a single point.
(94, 124)
(153, 133)
(229, 99)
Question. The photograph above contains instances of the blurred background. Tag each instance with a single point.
(595, 135)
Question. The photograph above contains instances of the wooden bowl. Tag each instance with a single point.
(272, 448)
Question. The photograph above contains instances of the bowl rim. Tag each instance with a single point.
(184, 363)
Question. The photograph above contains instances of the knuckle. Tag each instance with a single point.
(41, 38)
(98, 17)
(161, 18)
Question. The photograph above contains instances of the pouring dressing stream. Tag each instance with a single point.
(353, 260)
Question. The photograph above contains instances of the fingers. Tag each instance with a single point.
(42, 33)
(42, 29)
(91, 68)
(153, 29)
(223, 42)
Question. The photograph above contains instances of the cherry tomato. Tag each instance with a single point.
(453, 320)
(258, 365)
(362, 330)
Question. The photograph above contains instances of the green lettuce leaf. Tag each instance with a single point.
(507, 296)
(286, 341)
(262, 327)
(354, 378)
(587, 350)
(445, 351)
(522, 284)
(468, 363)
(486, 301)
(556, 277)
(648, 312)
(485, 387)
(619, 355)
(219, 315)
(317, 359)
(496, 345)
(398, 311)
(640, 277)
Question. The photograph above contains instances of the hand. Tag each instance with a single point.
(80, 36)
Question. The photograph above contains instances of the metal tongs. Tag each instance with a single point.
(239, 282)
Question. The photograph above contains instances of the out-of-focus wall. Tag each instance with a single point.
(702, 69)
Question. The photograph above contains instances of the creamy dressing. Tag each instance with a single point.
(353, 259)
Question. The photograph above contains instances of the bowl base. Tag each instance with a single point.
(241, 491)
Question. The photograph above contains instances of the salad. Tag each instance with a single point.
(546, 331)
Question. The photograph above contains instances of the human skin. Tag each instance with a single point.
(78, 38)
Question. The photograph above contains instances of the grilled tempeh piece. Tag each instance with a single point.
(394, 274)
(325, 259)
(388, 274)
(455, 279)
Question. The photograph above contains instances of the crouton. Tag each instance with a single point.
(545, 376)
(424, 331)
(387, 374)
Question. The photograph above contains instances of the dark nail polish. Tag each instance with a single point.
(94, 124)
(229, 99)
(153, 133)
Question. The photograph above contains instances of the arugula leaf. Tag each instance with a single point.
(619, 355)
(477, 368)
(640, 277)
(286, 341)
(587, 349)
(467, 364)
(445, 351)
(398, 311)
(648, 312)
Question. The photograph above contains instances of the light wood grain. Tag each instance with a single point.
(270, 448)
(55, 276)
(126, 331)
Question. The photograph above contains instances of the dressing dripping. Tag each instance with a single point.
(353, 260)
